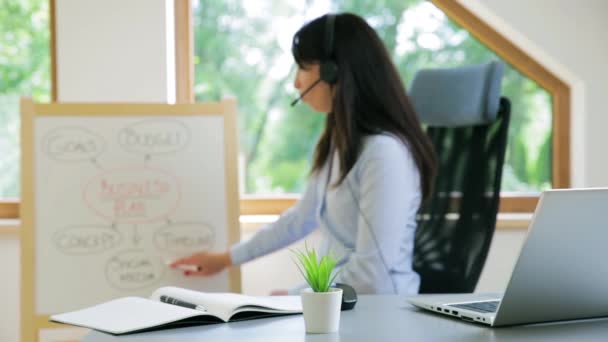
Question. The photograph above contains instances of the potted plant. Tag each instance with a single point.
(320, 302)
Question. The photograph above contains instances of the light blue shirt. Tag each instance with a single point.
(368, 221)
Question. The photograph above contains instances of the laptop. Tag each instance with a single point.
(561, 272)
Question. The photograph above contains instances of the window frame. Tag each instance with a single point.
(273, 205)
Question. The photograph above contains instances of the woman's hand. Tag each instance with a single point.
(204, 263)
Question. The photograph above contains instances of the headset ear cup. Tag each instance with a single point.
(328, 71)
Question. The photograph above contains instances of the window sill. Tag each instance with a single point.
(251, 223)
(510, 221)
(513, 221)
(510, 202)
(9, 227)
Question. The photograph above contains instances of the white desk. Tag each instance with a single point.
(375, 318)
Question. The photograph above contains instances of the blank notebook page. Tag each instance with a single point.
(125, 315)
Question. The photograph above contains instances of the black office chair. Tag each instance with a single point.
(467, 121)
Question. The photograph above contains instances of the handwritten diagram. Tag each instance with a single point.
(134, 211)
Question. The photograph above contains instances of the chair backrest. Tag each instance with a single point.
(467, 121)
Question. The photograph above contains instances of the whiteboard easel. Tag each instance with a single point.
(111, 192)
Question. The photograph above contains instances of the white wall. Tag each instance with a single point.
(9, 287)
(276, 271)
(115, 50)
(569, 37)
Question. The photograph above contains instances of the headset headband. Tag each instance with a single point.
(329, 68)
(329, 36)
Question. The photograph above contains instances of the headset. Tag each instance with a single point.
(328, 69)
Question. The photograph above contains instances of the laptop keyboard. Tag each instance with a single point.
(482, 307)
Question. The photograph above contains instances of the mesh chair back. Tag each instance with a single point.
(456, 224)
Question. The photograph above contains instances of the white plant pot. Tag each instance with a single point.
(321, 310)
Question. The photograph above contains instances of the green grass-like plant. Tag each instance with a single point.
(316, 271)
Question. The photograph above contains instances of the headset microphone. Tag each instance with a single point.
(293, 103)
(328, 69)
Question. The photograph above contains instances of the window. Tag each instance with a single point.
(239, 51)
(242, 49)
(24, 71)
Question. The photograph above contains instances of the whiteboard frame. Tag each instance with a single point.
(31, 321)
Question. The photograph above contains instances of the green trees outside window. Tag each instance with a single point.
(24, 71)
(242, 49)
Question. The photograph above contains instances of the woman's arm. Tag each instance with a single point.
(297, 222)
(387, 195)
(294, 224)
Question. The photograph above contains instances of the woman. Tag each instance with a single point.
(373, 164)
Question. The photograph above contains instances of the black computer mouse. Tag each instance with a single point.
(349, 296)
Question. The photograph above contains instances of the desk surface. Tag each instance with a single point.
(375, 318)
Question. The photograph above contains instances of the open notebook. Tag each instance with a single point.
(171, 307)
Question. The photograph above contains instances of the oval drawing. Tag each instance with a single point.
(86, 239)
(133, 269)
(72, 144)
(186, 237)
(133, 195)
(155, 136)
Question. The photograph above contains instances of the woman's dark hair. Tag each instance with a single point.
(369, 96)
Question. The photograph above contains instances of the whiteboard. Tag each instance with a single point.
(117, 197)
